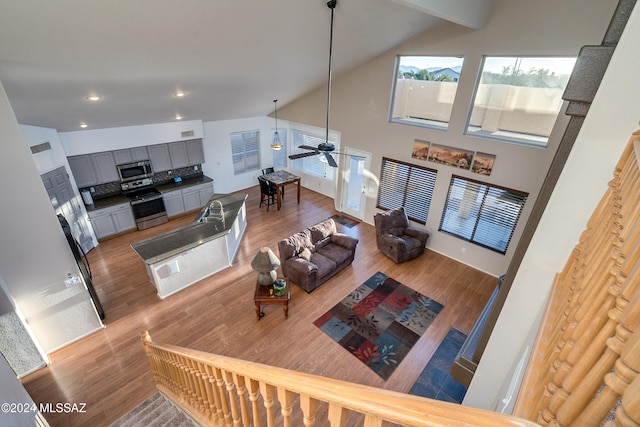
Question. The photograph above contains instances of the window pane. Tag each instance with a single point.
(518, 99)
(245, 152)
(403, 184)
(313, 165)
(424, 90)
(482, 214)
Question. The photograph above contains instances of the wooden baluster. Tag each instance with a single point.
(217, 415)
(210, 407)
(254, 388)
(337, 415)
(242, 390)
(233, 404)
(285, 397)
(267, 397)
(309, 407)
(226, 413)
(371, 421)
(628, 413)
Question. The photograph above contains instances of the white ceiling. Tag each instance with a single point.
(231, 57)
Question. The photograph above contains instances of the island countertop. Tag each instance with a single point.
(157, 248)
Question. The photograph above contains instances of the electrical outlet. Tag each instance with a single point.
(169, 173)
(195, 168)
(72, 281)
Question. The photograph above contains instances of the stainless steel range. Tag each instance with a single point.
(146, 203)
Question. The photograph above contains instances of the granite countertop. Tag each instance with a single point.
(118, 199)
(174, 242)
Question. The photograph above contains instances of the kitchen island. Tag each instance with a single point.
(182, 257)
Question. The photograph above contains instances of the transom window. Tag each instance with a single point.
(481, 213)
(313, 165)
(406, 185)
(424, 90)
(245, 151)
(518, 99)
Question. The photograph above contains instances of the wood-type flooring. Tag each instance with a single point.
(109, 372)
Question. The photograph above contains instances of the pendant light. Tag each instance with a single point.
(331, 5)
(276, 144)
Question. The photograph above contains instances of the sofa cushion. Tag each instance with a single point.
(324, 264)
(335, 252)
(295, 244)
(305, 254)
(321, 232)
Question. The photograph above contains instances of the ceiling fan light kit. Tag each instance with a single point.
(325, 149)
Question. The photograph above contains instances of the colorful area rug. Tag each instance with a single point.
(380, 322)
(344, 220)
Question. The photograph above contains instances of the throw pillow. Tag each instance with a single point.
(305, 254)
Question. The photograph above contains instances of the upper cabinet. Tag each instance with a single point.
(83, 170)
(105, 167)
(195, 151)
(178, 154)
(129, 155)
(159, 156)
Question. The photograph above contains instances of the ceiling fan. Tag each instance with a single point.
(325, 148)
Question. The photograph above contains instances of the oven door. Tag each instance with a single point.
(149, 212)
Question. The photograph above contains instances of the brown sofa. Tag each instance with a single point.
(314, 255)
(396, 238)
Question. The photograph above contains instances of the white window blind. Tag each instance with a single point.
(482, 214)
(404, 184)
(312, 165)
(245, 151)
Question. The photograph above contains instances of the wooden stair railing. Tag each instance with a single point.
(222, 391)
(586, 358)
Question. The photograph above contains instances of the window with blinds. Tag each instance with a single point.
(313, 165)
(245, 151)
(482, 214)
(404, 184)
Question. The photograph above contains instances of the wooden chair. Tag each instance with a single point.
(268, 192)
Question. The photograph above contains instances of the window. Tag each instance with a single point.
(313, 165)
(280, 156)
(424, 90)
(245, 151)
(404, 184)
(481, 213)
(518, 99)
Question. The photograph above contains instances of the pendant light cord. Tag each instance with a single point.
(331, 4)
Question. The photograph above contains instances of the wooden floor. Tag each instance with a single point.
(108, 369)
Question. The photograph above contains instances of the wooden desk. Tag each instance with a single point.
(280, 179)
(264, 295)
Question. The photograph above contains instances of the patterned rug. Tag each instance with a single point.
(380, 322)
(344, 220)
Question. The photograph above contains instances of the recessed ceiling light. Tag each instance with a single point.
(178, 117)
(83, 125)
(180, 94)
(94, 98)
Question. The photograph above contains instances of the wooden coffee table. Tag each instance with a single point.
(264, 295)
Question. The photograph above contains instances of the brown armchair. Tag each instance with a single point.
(396, 238)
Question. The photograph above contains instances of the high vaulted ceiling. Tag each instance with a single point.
(232, 58)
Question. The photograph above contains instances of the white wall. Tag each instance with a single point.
(360, 104)
(35, 255)
(612, 118)
(96, 140)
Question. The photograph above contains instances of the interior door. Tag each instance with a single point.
(355, 182)
(65, 202)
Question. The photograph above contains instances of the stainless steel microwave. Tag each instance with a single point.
(135, 171)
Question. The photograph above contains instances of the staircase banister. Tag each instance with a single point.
(400, 408)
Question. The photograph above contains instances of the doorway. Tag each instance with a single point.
(355, 183)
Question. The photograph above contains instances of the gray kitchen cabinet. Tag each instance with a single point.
(112, 220)
(83, 170)
(105, 167)
(195, 151)
(159, 156)
(128, 155)
(178, 154)
(195, 197)
(173, 202)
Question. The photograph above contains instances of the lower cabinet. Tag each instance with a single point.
(173, 202)
(112, 220)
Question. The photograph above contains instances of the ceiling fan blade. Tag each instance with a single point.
(308, 147)
(331, 160)
(301, 155)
